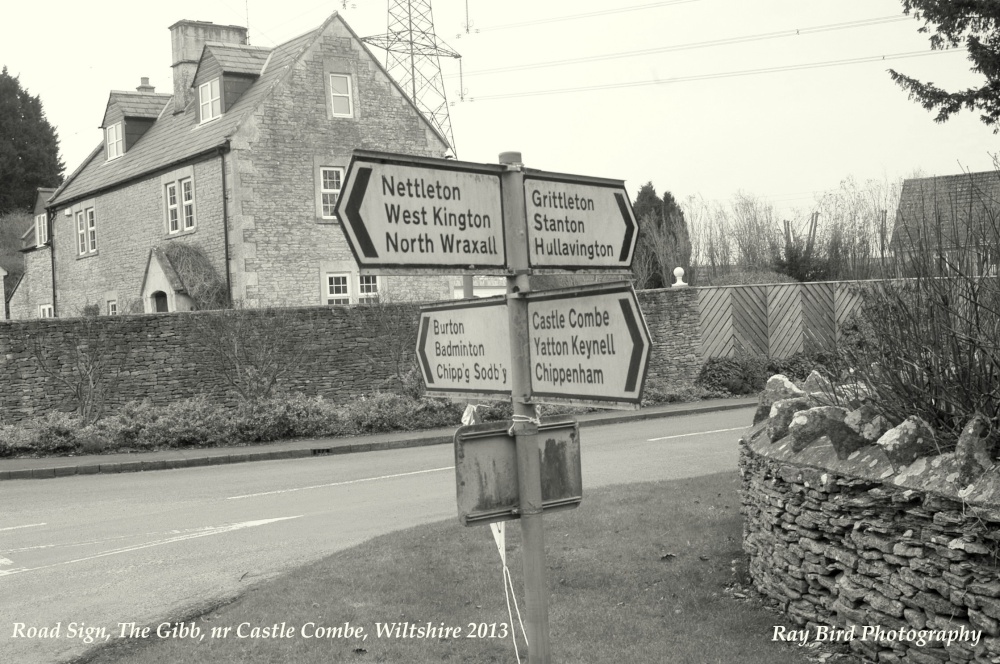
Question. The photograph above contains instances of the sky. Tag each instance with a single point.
(781, 99)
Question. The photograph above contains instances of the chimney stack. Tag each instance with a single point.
(145, 87)
(187, 40)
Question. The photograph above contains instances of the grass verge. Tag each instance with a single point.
(638, 573)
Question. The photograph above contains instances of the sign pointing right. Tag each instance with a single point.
(578, 223)
(587, 344)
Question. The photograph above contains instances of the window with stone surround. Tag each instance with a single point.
(331, 180)
(341, 96)
(338, 289)
(86, 232)
(178, 197)
(112, 307)
(368, 289)
(46, 311)
(209, 101)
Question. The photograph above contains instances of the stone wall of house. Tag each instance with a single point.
(31, 293)
(898, 550)
(285, 246)
(129, 222)
(346, 351)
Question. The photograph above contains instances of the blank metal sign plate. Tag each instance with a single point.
(486, 470)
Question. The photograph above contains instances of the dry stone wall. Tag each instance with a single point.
(898, 557)
(347, 352)
(159, 357)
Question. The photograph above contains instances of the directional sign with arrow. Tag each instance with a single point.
(423, 214)
(464, 347)
(587, 344)
(578, 223)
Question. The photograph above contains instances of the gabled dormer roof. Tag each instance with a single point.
(146, 105)
(237, 59)
(41, 198)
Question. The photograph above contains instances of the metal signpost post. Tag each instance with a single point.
(529, 473)
(581, 345)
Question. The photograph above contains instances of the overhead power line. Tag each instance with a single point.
(705, 77)
(695, 45)
(558, 19)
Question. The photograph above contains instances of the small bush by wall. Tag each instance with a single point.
(747, 374)
(197, 422)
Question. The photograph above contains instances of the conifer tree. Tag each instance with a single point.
(976, 25)
(664, 242)
(29, 147)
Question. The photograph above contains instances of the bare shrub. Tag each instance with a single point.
(251, 349)
(394, 323)
(929, 344)
(86, 356)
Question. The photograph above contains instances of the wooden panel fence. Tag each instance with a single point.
(750, 318)
(819, 320)
(784, 319)
(715, 309)
(777, 320)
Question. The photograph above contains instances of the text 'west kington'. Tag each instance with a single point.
(439, 216)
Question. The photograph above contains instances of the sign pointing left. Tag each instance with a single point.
(413, 212)
(464, 347)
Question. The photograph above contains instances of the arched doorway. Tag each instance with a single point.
(159, 301)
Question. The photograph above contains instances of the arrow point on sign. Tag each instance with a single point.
(353, 212)
(421, 353)
(626, 211)
(638, 345)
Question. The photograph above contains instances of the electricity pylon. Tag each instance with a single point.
(412, 58)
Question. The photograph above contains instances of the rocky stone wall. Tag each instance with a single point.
(672, 318)
(346, 352)
(885, 545)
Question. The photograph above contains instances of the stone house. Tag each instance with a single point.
(225, 188)
(950, 216)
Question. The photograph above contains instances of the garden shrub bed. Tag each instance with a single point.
(197, 422)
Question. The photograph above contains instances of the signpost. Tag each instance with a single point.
(578, 223)
(582, 345)
(401, 212)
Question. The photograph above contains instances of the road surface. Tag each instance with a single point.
(81, 555)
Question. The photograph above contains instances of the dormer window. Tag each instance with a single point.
(209, 100)
(116, 143)
(41, 229)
